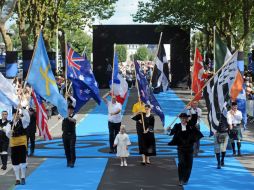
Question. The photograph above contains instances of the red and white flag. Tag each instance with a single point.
(198, 75)
(118, 86)
(41, 117)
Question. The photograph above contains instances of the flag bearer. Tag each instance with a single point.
(4, 140)
(16, 131)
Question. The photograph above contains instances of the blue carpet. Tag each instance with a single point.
(96, 121)
(172, 105)
(206, 176)
(97, 146)
(53, 175)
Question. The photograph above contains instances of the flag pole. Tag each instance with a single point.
(137, 86)
(203, 87)
(113, 68)
(57, 50)
(214, 49)
(66, 81)
(157, 51)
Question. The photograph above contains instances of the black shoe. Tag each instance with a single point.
(68, 165)
(17, 182)
(31, 154)
(71, 165)
(185, 183)
(23, 181)
(143, 163)
(180, 183)
(111, 151)
(218, 166)
(4, 167)
(222, 163)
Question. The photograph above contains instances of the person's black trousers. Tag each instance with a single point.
(185, 160)
(69, 142)
(114, 129)
(31, 138)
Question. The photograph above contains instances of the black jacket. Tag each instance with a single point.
(185, 139)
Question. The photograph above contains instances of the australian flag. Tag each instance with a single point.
(84, 84)
(146, 94)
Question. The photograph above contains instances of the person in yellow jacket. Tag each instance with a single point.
(137, 108)
(16, 132)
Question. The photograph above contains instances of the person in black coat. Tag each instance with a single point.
(4, 140)
(69, 136)
(31, 130)
(147, 145)
(185, 135)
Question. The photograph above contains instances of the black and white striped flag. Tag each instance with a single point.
(160, 78)
(217, 91)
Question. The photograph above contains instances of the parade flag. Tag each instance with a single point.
(146, 94)
(7, 92)
(219, 89)
(42, 80)
(119, 86)
(160, 78)
(222, 53)
(74, 62)
(41, 117)
(83, 93)
(80, 73)
(197, 77)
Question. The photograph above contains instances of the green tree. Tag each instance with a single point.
(232, 18)
(122, 52)
(6, 11)
(141, 54)
(151, 57)
(80, 42)
(66, 15)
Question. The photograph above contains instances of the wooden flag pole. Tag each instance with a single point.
(137, 86)
(66, 80)
(203, 87)
(214, 49)
(157, 51)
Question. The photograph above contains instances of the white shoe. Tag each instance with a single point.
(125, 163)
(121, 164)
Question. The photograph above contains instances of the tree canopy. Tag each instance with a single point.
(232, 18)
(141, 54)
(122, 52)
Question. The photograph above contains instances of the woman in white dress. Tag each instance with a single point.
(122, 141)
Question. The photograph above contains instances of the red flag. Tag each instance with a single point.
(41, 117)
(198, 72)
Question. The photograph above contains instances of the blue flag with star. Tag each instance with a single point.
(84, 84)
(146, 94)
(42, 80)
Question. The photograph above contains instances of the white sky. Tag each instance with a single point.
(123, 11)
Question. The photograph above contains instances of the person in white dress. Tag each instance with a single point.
(122, 141)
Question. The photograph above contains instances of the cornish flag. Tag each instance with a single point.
(118, 85)
(226, 84)
(160, 78)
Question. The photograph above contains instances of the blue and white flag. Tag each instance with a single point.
(119, 86)
(42, 80)
(146, 94)
(7, 92)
